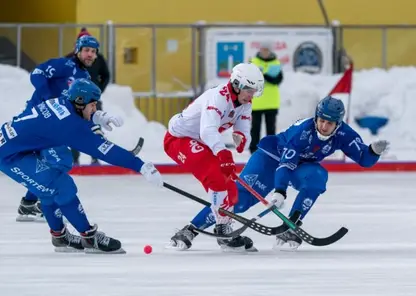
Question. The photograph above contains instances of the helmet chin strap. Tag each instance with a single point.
(322, 137)
(79, 108)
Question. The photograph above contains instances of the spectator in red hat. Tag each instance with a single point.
(100, 75)
(83, 32)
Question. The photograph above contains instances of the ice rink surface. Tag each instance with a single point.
(377, 256)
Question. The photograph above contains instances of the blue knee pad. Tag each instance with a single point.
(310, 180)
(309, 175)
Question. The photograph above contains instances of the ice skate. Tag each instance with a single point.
(182, 240)
(97, 242)
(288, 240)
(29, 211)
(66, 242)
(236, 244)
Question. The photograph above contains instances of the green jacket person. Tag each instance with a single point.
(269, 103)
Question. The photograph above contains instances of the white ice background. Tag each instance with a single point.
(376, 258)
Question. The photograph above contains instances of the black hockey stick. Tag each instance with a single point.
(246, 222)
(136, 150)
(240, 230)
(292, 225)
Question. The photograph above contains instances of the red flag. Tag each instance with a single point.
(344, 85)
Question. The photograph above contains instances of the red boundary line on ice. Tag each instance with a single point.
(91, 170)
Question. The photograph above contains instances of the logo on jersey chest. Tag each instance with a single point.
(327, 148)
(60, 110)
(305, 135)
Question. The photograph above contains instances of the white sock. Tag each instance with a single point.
(219, 199)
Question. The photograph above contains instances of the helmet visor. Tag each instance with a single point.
(255, 91)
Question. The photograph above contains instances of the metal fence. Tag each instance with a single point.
(378, 46)
(164, 64)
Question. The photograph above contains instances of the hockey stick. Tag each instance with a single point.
(246, 222)
(292, 225)
(136, 150)
(240, 230)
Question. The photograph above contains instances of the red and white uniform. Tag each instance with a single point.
(211, 114)
(193, 140)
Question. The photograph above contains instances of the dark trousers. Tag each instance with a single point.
(75, 153)
(257, 116)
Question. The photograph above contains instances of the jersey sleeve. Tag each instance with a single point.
(353, 147)
(211, 114)
(76, 133)
(243, 124)
(40, 76)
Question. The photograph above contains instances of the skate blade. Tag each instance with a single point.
(96, 251)
(27, 218)
(285, 247)
(226, 249)
(67, 250)
(251, 250)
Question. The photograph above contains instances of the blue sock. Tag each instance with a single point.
(204, 219)
(304, 202)
(74, 213)
(53, 216)
(30, 196)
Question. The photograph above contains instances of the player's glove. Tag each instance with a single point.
(151, 174)
(226, 162)
(380, 146)
(278, 198)
(104, 119)
(240, 141)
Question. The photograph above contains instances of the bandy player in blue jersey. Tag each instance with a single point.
(65, 121)
(51, 79)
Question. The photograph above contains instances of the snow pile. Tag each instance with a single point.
(375, 92)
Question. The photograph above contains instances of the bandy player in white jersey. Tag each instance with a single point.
(194, 141)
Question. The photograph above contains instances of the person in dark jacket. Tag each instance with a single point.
(100, 75)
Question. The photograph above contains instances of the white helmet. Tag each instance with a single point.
(248, 76)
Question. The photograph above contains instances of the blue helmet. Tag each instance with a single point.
(83, 91)
(86, 41)
(331, 109)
